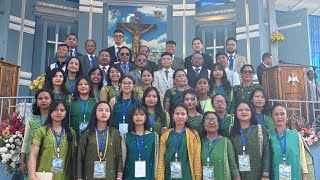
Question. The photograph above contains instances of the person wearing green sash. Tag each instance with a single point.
(202, 88)
(55, 82)
(40, 110)
(96, 76)
(140, 147)
(260, 103)
(73, 72)
(191, 101)
(114, 75)
(158, 119)
(99, 152)
(81, 105)
(180, 149)
(217, 152)
(53, 146)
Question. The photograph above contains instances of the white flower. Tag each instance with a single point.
(3, 149)
(11, 140)
(18, 149)
(12, 146)
(7, 145)
(6, 141)
(20, 135)
(12, 151)
(13, 165)
(4, 161)
(16, 159)
(14, 136)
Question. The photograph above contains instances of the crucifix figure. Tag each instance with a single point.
(137, 30)
(56, 43)
(215, 47)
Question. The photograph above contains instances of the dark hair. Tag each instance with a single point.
(104, 50)
(225, 82)
(204, 133)
(266, 55)
(109, 70)
(194, 93)
(76, 94)
(79, 73)
(266, 106)
(231, 39)
(158, 107)
(124, 47)
(236, 126)
(100, 85)
(221, 53)
(138, 108)
(119, 31)
(63, 45)
(277, 105)
(71, 34)
(246, 65)
(143, 46)
(35, 108)
(140, 54)
(64, 122)
(203, 77)
(93, 119)
(176, 71)
(90, 40)
(51, 74)
(171, 42)
(218, 94)
(166, 54)
(147, 69)
(194, 39)
(185, 108)
(132, 92)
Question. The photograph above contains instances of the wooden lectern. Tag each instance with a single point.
(9, 74)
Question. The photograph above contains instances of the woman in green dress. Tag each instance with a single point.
(99, 154)
(180, 149)
(53, 145)
(122, 104)
(158, 118)
(55, 82)
(81, 105)
(114, 75)
(95, 75)
(251, 144)
(243, 91)
(202, 87)
(219, 103)
(40, 110)
(219, 84)
(73, 72)
(191, 101)
(140, 147)
(287, 148)
(260, 103)
(217, 153)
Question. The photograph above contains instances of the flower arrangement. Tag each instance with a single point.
(12, 130)
(277, 37)
(38, 83)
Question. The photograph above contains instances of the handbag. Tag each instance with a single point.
(44, 175)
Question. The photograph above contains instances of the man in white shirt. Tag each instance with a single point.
(104, 60)
(232, 76)
(118, 37)
(164, 77)
(235, 61)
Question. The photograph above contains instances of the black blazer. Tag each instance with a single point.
(113, 56)
(260, 69)
(207, 61)
(132, 67)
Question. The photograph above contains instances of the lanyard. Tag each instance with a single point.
(102, 146)
(124, 69)
(96, 95)
(207, 148)
(151, 120)
(58, 141)
(179, 94)
(176, 143)
(139, 144)
(40, 120)
(84, 111)
(223, 121)
(263, 120)
(284, 146)
(70, 85)
(221, 90)
(115, 90)
(244, 140)
(204, 106)
(124, 110)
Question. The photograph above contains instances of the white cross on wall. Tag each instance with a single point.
(56, 43)
(214, 47)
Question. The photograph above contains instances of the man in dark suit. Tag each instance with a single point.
(72, 42)
(197, 70)
(90, 59)
(143, 49)
(118, 37)
(60, 58)
(142, 62)
(266, 62)
(125, 65)
(197, 47)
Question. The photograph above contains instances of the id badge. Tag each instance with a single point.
(207, 173)
(139, 169)
(176, 170)
(82, 126)
(99, 169)
(284, 172)
(57, 165)
(123, 128)
(244, 163)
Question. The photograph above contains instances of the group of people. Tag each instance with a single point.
(129, 120)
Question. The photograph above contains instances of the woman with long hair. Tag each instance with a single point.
(158, 118)
(114, 75)
(122, 104)
(180, 149)
(202, 88)
(40, 109)
(217, 153)
(73, 72)
(251, 144)
(219, 84)
(141, 147)
(260, 103)
(191, 101)
(99, 154)
(81, 105)
(53, 145)
(55, 82)
(95, 75)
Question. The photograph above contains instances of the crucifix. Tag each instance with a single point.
(136, 29)
(215, 47)
(56, 43)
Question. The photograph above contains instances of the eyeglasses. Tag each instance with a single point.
(127, 54)
(208, 120)
(143, 60)
(246, 72)
(118, 36)
(219, 102)
(127, 83)
(197, 58)
(144, 51)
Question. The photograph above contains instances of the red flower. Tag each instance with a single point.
(4, 124)
(301, 133)
(14, 116)
(15, 123)
(299, 122)
(13, 129)
(21, 129)
(318, 134)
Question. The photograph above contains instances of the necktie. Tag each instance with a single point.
(197, 71)
(117, 50)
(125, 69)
(231, 61)
(91, 61)
(167, 74)
(70, 54)
(104, 71)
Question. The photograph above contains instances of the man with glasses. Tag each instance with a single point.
(197, 47)
(196, 70)
(118, 37)
(143, 49)
(142, 62)
(178, 63)
(124, 64)
(235, 61)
